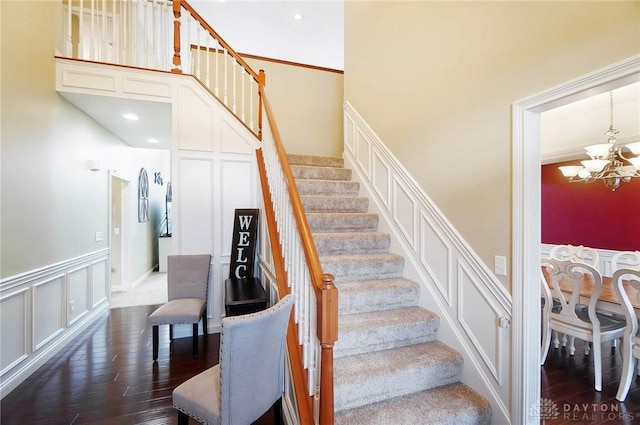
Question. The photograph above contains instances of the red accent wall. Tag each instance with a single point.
(589, 214)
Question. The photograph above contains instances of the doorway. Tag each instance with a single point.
(526, 221)
(118, 234)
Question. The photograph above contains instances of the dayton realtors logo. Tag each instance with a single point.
(547, 410)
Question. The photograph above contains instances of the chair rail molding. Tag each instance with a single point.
(455, 283)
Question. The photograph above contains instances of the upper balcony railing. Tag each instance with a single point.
(162, 35)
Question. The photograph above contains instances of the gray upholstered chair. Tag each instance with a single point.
(187, 284)
(250, 376)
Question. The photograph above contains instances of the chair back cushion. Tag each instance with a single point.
(188, 276)
(252, 362)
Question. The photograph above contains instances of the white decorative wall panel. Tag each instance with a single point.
(381, 179)
(78, 293)
(99, 282)
(13, 329)
(195, 195)
(49, 313)
(363, 148)
(84, 79)
(233, 140)
(435, 257)
(404, 212)
(475, 313)
(146, 87)
(468, 297)
(195, 129)
(237, 192)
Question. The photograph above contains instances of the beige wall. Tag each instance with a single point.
(307, 103)
(52, 204)
(436, 81)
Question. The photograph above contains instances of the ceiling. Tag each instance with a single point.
(267, 28)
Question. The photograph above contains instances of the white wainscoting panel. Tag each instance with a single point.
(49, 309)
(475, 309)
(195, 194)
(195, 129)
(238, 191)
(35, 315)
(78, 293)
(14, 328)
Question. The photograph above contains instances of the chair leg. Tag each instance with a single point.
(597, 364)
(155, 342)
(170, 332)
(205, 328)
(628, 369)
(277, 412)
(183, 419)
(195, 339)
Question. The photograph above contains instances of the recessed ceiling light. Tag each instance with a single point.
(151, 140)
(297, 16)
(130, 117)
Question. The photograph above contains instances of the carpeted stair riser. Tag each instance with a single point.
(382, 330)
(320, 173)
(375, 295)
(328, 187)
(319, 203)
(368, 378)
(342, 222)
(452, 404)
(361, 267)
(351, 243)
(389, 367)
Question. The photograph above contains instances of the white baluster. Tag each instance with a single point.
(92, 33)
(69, 44)
(217, 73)
(207, 62)
(225, 76)
(114, 37)
(154, 43)
(103, 42)
(251, 102)
(198, 27)
(134, 32)
(125, 33)
(242, 116)
(165, 36)
(81, 30)
(145, 30)
(233, 70)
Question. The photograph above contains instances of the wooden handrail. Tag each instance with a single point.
(323, 284)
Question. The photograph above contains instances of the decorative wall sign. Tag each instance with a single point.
(143, 196)
(243, 247)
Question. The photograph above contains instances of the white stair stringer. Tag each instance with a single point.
(389, 367)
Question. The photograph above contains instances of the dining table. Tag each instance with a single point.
(607, 300)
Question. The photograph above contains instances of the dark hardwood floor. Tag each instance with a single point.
(107, 376)
(568, 381)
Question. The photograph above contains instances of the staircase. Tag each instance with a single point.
(389, 367)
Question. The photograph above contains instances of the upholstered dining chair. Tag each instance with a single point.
(574, 320)
(250, 376)
(631, 339)
(187, 285)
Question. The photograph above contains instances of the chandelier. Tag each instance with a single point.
(607, 162)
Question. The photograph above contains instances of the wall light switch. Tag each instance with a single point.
(500, 265)
(98, 236)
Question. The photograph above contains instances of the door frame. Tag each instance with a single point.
(527, 227)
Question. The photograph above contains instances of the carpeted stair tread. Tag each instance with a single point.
(368, 378)
(385, 329)
(316, 160)
(317, 203)
(327, 187)
(363, 266)
(377, 294)
(321, 222)
(351, 242)
(320, 173)
(454, 404)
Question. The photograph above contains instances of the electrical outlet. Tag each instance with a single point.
(72, 305)
(98, 236)
(500, 265)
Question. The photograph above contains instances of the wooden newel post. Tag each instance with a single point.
(328, 335)
(177, 63)
(262, 78)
